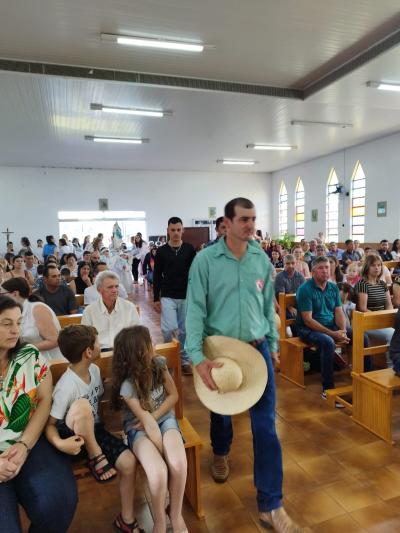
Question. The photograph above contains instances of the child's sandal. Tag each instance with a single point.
(123, 527)
(98, 472)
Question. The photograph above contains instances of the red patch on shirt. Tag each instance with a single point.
(260, 284)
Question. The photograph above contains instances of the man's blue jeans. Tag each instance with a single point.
(46, 489)
(173, 314)
(326, 348)
(267, 449)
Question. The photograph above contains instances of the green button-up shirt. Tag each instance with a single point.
(229, 296)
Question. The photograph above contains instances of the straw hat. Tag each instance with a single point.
(241, 380)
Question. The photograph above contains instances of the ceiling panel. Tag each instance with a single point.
(258, 41)
(43, 119)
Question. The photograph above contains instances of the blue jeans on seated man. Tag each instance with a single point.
(326, 347)
(267, 449)
(46, 489)
(173, 314)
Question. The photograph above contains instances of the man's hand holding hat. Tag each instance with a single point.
(204, 370)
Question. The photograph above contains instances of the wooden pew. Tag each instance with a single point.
(192, 440)
(373, 391)
(391, 264)
(67, 320)
(193, 444)
(79, 300)
(290, 348)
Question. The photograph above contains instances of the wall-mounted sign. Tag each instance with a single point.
(381, 209)
(103, 204)
(212, 212)
(314, 215)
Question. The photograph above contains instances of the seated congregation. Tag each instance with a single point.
(92, 288)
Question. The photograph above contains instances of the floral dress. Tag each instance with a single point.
(18, 393)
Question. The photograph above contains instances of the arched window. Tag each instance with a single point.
(299, 206)
(332, 208)
(283, 210)
(357, 213)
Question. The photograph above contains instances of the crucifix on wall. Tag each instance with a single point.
(7, 233)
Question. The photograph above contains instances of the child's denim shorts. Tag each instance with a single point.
(166, 422)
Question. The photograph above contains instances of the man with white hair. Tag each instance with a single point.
(110, 313)
(91, 293)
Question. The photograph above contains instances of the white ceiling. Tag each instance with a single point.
(43, 119)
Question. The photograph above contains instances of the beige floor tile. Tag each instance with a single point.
(351, 495)
(340, 524)
(375, 516)
(316, 506)
(323, 469)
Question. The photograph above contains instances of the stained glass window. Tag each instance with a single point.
(332, 208)
(357, 212)
(299, 207)
(283, 210)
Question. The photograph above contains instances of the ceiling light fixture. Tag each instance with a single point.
(130, 111)
(150, 42)
(123, 140)
(383, 86)
(235, 162)
(285, 147)
(320, 123)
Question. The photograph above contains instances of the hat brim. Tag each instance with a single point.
(254, 371)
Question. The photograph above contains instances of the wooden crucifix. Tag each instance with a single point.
(7, 233)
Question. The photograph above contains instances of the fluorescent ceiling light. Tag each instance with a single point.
(284, 147)
(148, 42)
(235, 162)
(123, 140)
(384, 86)
(320, 123)
(130, 111)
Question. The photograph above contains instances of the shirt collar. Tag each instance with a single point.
(104, 309)
(221, 248)
(315, 286)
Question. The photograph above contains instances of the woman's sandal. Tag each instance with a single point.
(98, 472)
(123, 527)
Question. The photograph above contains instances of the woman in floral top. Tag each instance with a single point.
(32, 472)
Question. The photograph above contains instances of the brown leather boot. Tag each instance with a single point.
(220, 468)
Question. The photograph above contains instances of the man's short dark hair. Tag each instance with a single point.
(382, 241)
(175, 220)
(28, 254)
(96, 268)
(318, 260)
(75, 339)
(218, 222)
(241, 202)
(348, 241)
(47, 269)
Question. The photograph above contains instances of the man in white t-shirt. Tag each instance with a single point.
(91, 294)
(110, 313)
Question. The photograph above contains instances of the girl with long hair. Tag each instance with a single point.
(149, 394)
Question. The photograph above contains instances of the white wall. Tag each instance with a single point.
(31, 197)
(380, 160)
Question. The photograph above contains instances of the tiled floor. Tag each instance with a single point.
(337, 476)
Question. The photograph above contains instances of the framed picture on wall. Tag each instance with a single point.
(314, 215)
(381, 209)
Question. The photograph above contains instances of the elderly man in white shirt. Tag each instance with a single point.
(91, 293)
(110, 313)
